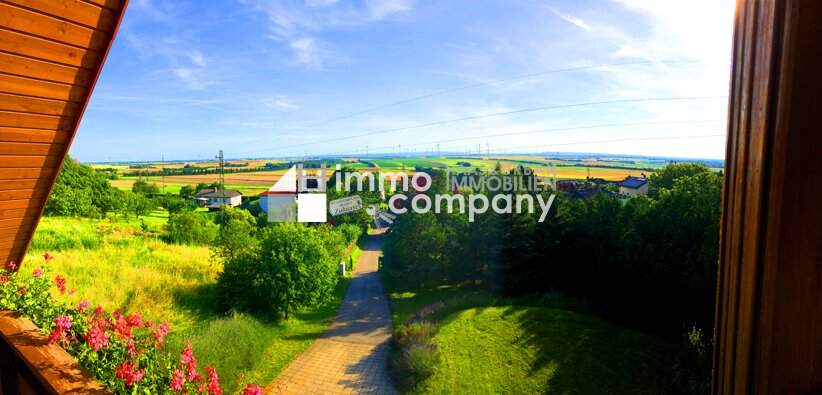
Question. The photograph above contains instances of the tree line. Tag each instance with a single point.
(648, 262)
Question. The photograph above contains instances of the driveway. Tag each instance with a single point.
(351, 357)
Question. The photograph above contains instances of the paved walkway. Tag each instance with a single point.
(351, 357)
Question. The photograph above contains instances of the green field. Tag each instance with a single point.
(498, 345)
(117, 264)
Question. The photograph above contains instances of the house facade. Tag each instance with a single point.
(213, 198)
(633, 186)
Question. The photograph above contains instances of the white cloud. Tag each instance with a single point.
(197, 58)
(578, 22)
(193, 78)
(379, 9)
(301, 26)
(306, 52)
(280, 102)
(320, 3)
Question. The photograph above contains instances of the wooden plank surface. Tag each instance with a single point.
(34, 121)
(51, 53)
(42, 25)
(36, 149)
(39, 48)
(19, 85)
(78, 11)
(37, 105)
(9, 134)
(43, 70)
(51, 364)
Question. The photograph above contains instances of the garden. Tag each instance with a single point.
(144, 302)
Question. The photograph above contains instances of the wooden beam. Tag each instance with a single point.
(768, 337)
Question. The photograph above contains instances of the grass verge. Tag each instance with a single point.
(490, 344)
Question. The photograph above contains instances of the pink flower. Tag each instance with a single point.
(22, 290)
(121, 326)
(126, 371)
(37, 272)
(61, 325)
(253, 389)
(131, 346)
(84, 304)
(161, 333)
(47, 257)
(188, 361)
(11, 266)
(134, 319)
(178, 378)
(97, 338)
(60, 283)
(213, 382)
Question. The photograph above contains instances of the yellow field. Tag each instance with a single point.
(595, 172)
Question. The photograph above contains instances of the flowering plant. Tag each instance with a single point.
(123, 351)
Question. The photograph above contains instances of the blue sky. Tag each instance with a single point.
(274, 78)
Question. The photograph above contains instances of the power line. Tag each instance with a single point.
(626, 140)
(508, 149)
(486, 83)
(507, 134)
(490, 115)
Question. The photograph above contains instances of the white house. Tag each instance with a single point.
(633, 186)
(213, 198)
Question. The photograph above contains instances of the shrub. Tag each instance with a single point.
(351, 232)
(692, 369)
(291, 269)
(415, 356)
(237, 233)
(81, 191)
(417, 332)
(190, 227)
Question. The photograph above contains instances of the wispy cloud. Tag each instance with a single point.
(300, 26)
(193, 78)
(280, 102)
(578, 22)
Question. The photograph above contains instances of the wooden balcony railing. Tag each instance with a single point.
(30, 365)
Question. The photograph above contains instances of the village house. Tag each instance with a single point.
(213, 198)
(633, 186)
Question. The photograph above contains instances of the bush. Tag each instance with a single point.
(415, 356)
(190, 227)
(291, 269)
(351, 232)
(418, 332)
(692, 369)
(237, 233)
(81, 191)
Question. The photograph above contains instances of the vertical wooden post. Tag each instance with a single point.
(769, 300)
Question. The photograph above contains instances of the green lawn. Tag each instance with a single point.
(494, 345)
(116, 264)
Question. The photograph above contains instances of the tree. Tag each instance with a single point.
(237, 233)
(667, 176)
(80, 191)
(145, 188)
(187, 192)
(291, 269)
(173, 204)
(190, 227)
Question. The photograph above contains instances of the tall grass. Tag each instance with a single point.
(119, 265)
